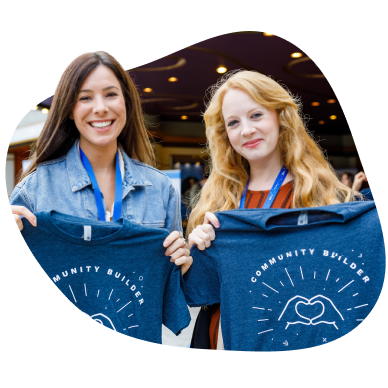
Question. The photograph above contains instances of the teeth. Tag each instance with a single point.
(102, 124)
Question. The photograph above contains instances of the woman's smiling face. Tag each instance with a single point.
(253, 130)
(100, 113)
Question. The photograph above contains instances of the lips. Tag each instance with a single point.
(252, 143)
(101, 125)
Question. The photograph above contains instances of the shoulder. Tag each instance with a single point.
(52, 162)
(148, 170)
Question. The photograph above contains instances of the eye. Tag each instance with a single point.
(232, 123)
(111, 94)
(257, 115)
(84, 98)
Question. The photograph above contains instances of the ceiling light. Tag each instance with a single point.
(45, 111)
(315, 103)
(321, 122)
(222, 69)
(187, 165)
(267, 34)
(147, 90)
(184, 117)
(333, 117)
(35, 107)
(331, 101)
(172, 79)
(197, 164)
(296, 55)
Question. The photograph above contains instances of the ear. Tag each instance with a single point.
(71, 117)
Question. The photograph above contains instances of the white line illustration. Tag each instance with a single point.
(301, 272)
(361, 306)
(117, 300)
(282, 284)
(259, 308)
(359, 319)
(327, 277)
(130, 327)
(270, 288)
(312, 301)
(265, 295)
(130, 315)
(314, 274)
(124, 306)
(261, 320)
(289, 277)
(86, 294)
(265, 331)
(355, 294)
(101, 319)
(110, 294)
(346, 286)
(98, 293)
(72, 294)
(337, 280)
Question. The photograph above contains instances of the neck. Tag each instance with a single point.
(263, 174)
(101, 158)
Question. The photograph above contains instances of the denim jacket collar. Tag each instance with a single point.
(79, 178)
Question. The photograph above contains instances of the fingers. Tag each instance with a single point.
(23, 211)
(202, 236)
(180, 253)
(173, 236)
(212, 219)
(18, 222)
(176, 245)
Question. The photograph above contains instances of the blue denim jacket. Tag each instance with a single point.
(63, 184)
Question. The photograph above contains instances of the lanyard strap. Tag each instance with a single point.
(97, 192)
(272, 194)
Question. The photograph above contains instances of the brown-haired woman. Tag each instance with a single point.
(96, 113)
(254, 131)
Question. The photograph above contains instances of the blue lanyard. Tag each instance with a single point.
(97, 192)
(272, 194)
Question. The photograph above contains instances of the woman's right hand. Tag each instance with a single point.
(204, 234)
(18, 211)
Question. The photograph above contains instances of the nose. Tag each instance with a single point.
(247, 129)
(100, 106)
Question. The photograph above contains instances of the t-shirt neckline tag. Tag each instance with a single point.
(87, 232)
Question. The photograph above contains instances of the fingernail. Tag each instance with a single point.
(217, 225)
(34, 222)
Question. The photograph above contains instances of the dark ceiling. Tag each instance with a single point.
(195, 68)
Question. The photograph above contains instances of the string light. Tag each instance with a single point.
(172, 79)
(296, 55)
(222, 69)
(184, 117)
(147, 90)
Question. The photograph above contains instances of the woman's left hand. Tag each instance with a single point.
(177, 249)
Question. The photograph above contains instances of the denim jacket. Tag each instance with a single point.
(63, 184)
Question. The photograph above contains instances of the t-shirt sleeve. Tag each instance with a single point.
(176, 314)
(202, 282)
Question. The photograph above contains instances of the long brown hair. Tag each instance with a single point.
(315, 182)
(59, 132)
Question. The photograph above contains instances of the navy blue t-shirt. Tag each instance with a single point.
(290, 278)
(116, 272)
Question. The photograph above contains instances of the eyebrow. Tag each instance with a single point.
(107, 88)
